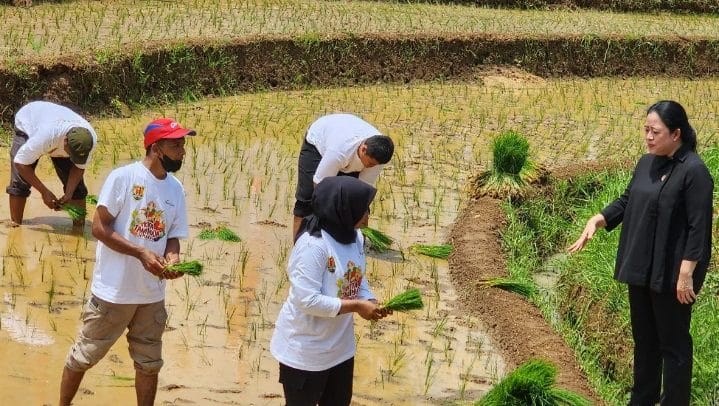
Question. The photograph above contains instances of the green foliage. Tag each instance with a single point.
(221, 233)
(510, 151)
(193, 268)
(91, 199)
(405, 301)
(435, 251)
(75, 212)
(524, 288)
(531, 383)
(379, 241)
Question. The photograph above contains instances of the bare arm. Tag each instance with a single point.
(368, 309)
(102, 230)
(28, 173)
(73, 180)
(597, 221)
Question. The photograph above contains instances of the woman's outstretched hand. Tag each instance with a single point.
(589, 230)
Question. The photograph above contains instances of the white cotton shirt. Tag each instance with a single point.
(337, 137)
(309, 334)
(147, 212)
(46, 125)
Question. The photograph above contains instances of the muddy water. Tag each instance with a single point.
(240, 171)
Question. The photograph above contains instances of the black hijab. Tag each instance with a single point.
(338, 203)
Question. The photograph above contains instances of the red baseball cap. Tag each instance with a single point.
(164, 128)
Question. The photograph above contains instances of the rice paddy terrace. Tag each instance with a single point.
(249, 76)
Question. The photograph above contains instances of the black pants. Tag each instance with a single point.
(331, 387)
(306, 167)
(662, 348)
(20, 188)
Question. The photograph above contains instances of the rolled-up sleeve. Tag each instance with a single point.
(698, 191)
(306, 276)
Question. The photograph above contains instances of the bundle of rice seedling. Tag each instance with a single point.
(523, 288)
(91, 199)
(379, 240)
(409, 300)
(193, 268)
(75, 212)
(225, 234)
(435, 251)
(532, 383)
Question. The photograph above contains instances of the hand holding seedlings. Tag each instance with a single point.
(152, 262)
(369, 310)
(170, 259)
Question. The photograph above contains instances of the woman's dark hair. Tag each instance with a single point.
(380, 148)
(674, 116)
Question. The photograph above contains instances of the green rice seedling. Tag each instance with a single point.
(193, 268)
(91, 199)
(532, 383)
(435, 251)
(378, 240)
(523, 288)
(75, 212)
(225, 234)
(405, 301)
(207, 234)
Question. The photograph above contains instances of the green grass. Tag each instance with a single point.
(48, 29)
(524, 288)
(532, 383)
(441, 251)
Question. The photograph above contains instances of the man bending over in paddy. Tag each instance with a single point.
(139, 221)
(338, 144)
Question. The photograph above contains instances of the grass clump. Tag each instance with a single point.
(524, 288)
(378, 240)
(405, 301)
(193, 268)
(511, 171)
(441, 251)
(75, 212)
(532, 383)
(221, 233)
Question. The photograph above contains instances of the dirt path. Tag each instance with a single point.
(518, 328)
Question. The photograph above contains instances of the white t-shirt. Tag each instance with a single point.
(309, 334)
(337, 137)
(46, 125)
(147, 212)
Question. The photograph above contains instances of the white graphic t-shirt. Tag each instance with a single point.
(147, 212)
(46, 125)
(337, 137)
(309, 334)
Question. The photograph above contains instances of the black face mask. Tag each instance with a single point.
(170, 165)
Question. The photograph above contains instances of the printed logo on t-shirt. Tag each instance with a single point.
(148, 223)
(331, 266)
(349, 285)
(138, 192)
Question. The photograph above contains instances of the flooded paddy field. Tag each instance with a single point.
(240, 171)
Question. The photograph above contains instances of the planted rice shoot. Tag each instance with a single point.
(532, 383)
(511, 171)
(225, 234)
(207, 234)
(91, 199)
(378, 240)
(193, 268)
(523, 288)
(75, 212)
(406, 301)
(435, 251)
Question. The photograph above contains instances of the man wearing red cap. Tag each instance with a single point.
(139, 221)
(44, 128)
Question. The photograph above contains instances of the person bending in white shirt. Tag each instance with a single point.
(314, 338)
(140, 218)
(338, 144)
(44, 128)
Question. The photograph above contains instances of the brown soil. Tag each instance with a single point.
(517, 326)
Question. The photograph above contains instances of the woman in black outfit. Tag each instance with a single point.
(663, 254)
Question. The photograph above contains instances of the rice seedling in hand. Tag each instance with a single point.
(91, 199)
(532, 383)
(193, 268)
(378, 240)
(511, 171)
(75, 212)
(409, 300)
(523, 288)
(435, 251)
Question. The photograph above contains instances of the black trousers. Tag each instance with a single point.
(306, 167)
(331, 387)
(662, 348)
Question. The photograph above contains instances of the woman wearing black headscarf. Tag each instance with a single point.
(664, 251)
(314, 333)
